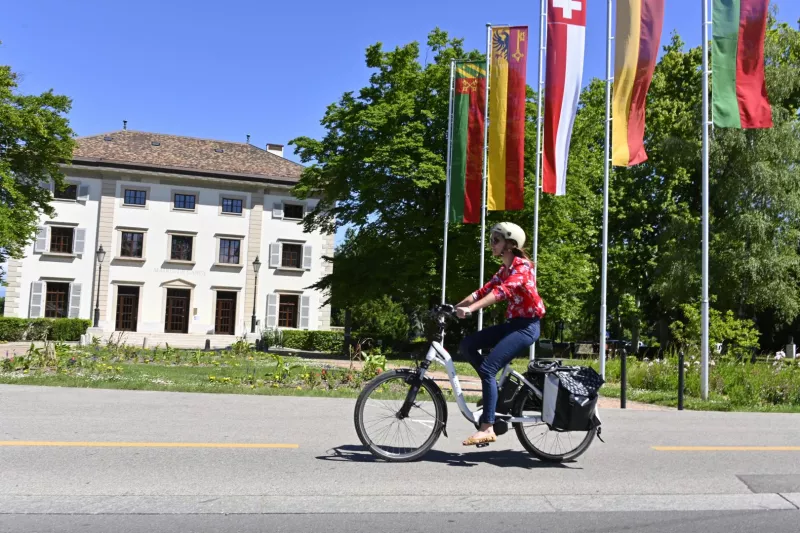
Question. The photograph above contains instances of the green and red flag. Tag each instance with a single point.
(466, 171)
(739, 95)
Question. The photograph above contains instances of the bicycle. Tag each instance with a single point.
(519, 404)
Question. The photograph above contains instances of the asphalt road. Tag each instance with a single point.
(138, 461)
(612, 522)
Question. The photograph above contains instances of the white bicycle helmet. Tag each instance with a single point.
(510, 231)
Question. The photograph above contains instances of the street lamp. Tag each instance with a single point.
(100, 255)
(256, 267)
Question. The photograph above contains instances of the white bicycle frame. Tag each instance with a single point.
(438, 353)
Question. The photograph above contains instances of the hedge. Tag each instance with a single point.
(318, 341)
(33, 329)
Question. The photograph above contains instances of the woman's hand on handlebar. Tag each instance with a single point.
(463, 312)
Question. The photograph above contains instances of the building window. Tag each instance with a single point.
(70, 192)
(232, 205)
(61, 240)
(57, 300)
(135, 197)
(292, 255)
(185, 201)
(287, 312)
(181, 249)
(132, 244)
(229, 251)
(293, 211)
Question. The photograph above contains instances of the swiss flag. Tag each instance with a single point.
(566, 38)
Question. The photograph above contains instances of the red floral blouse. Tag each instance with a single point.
(517, 285)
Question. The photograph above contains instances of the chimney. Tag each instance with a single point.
(125, 125)
(276, 149)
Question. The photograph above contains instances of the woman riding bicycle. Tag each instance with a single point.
(515, 283)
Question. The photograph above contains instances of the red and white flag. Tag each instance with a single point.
(566, 37)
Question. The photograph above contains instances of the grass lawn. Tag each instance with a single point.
(715, 402)
(258, 373)
(180, 378)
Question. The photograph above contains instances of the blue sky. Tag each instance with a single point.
(225, 69)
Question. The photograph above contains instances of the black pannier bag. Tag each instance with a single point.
(570, 397)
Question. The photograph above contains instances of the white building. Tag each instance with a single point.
(181, 221)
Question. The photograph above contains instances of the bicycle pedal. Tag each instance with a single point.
(482, 445)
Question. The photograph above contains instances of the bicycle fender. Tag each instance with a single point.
(412, 374)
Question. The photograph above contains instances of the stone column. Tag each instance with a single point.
(105, 230)
(254, 249)
(13, 282)
(324, 313)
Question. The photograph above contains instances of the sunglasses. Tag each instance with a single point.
(496, 240)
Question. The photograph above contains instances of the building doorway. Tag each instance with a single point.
(177, 312)
(127, 308)
(225, 320)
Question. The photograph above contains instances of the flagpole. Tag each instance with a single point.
(539, 152)
(485, 157)
(704, 303)
(449, 170)
(606, 172)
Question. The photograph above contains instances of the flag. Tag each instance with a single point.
(507, 118)
(639, 24)
(566, 37)
(739, 95)
(466, 170)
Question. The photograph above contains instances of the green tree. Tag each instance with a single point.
(34, 138)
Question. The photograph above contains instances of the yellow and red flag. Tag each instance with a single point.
(639, 24)
(505, 187)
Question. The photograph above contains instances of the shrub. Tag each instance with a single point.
(295, 339)
(69, 329)
(740, 334)
(318, 341)
(326, 341)
(37, 329)
(381, 319)
(12, 329)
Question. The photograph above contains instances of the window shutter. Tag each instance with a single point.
(75, 300)
(277, 210)
(305, 311)
(272, 310)
(37, 296)
(80, 241)
(41, 240)
(307, 257)
(274, 255)
(83, 193)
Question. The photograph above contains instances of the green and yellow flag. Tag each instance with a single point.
(466, 171)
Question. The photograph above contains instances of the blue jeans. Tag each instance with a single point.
(508, 340)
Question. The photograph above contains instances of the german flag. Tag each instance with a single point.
(639, 24)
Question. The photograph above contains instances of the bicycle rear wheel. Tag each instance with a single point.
(542, 442)
(383, 429)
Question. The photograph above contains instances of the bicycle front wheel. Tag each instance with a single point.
(384, 430)
(542, 442)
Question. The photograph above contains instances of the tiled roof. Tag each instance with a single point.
(176, 153)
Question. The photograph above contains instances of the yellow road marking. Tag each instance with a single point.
(147, 444)
(727, 448)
